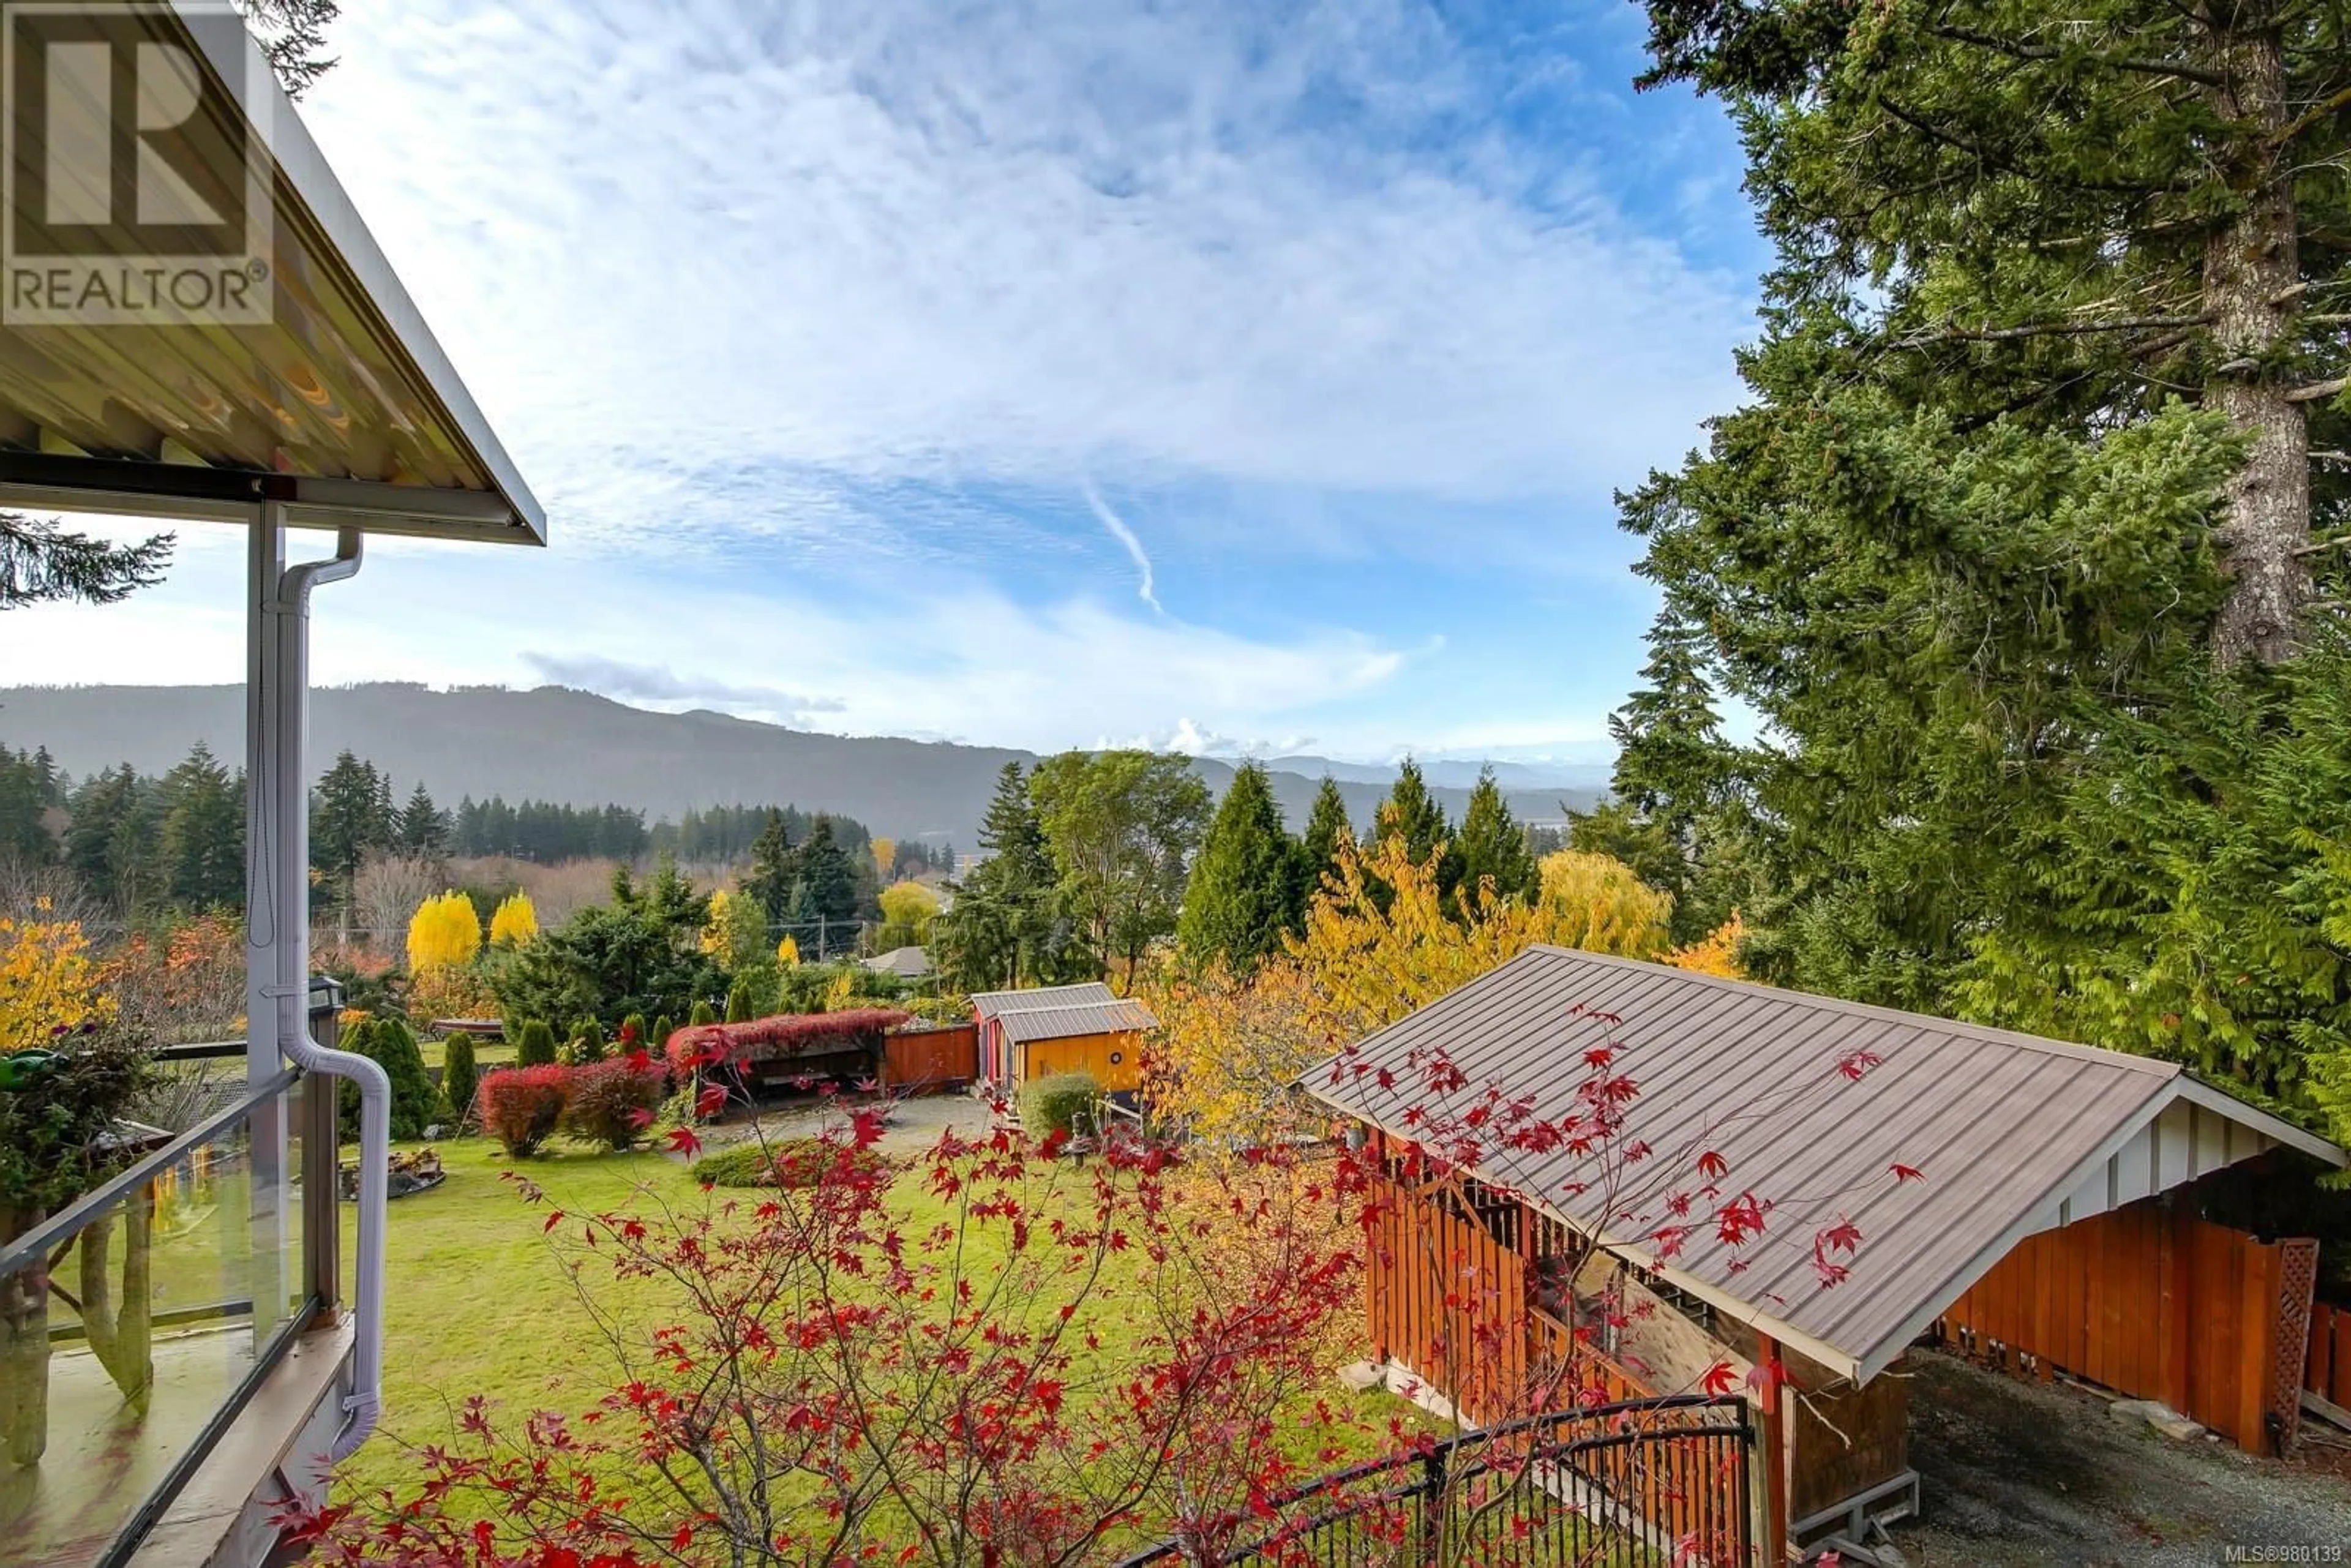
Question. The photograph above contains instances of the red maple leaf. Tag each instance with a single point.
(682, 1141)
(1718, 1380)
(1903, 1173)
(1712, 1166)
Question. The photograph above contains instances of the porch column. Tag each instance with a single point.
(271, 921)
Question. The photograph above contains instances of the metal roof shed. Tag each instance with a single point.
(2015, 1134)
(196, 326)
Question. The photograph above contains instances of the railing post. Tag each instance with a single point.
(322, 1239)
(1432, 1507)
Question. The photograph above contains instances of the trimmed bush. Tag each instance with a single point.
(634, 1035)
(1065, 1103)
(658, 1042)
(703, 1013)
(535, 1046)
(740, 1006)
(795, 1164)
(613, 1102)
(588, 1040)
(388, 1043)
(522, 1106)
(459, 1077)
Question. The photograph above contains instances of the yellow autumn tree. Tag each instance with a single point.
(885, 857)
(444, 933)
(788, 952)
(908, 910)
(736, 932)
(1227, 1051)
(1716, 953)
(47, 983)
(514, 922)
(1597, 904)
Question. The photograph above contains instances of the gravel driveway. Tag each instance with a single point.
(2018, 1473)
(914, 1123)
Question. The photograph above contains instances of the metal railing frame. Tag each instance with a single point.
(1436, 1467)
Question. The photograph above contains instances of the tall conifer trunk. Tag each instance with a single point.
(2251, 267)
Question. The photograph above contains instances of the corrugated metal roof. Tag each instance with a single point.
(1021, 1025)
(2003, 1125)
(339, 402)
(907, 962)
(988, 1004)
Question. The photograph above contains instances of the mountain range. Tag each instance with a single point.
(575, 748)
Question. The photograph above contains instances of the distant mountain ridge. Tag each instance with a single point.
(575, 748)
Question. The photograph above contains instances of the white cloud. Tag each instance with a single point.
(867, 243)
(1124, 536)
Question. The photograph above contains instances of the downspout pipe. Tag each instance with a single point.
(363, 1407)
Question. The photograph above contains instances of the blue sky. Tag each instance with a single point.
(1249, 377)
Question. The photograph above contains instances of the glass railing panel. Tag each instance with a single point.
(128, 1322)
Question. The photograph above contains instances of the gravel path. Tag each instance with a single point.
(2016, 1473)
(915, 1124)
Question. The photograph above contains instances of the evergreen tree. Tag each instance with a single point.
(41, 563)
(351, 815)
(827, 891)
(998, 931)
(203, 834)
(1491, 843)
(1411, 813)
(1327, 827)
(111, 843)
(423, 828)
(1244, 887)
(459, 1078)
(24, 804)
(535, 1045)
(775, 868)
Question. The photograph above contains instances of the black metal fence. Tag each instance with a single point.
(1648, 1481)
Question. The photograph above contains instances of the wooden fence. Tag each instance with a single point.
(1446, 1296)
(2152, 1301)
(930, 1061)
(2327, 1370)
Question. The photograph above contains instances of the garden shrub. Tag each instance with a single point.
(740, 1008)
(1065, 1103)
(588, 1040)
(658, 1042)
(795, 1164)
(388, 1043)
(613, 1102)
(522, 1106)
(459, 1077)
(535, 1046)
(633, 1033)
(703, 1013)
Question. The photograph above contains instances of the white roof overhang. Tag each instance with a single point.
(336, 403)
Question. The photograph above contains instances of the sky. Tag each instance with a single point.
(1249, 378)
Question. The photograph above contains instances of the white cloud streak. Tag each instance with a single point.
(1124, 536)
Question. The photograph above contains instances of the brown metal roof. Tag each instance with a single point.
(988, 1004)
(2012, 1131)
(1021, 1025)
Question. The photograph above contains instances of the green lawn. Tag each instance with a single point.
(477, 1302)
(435, 1052)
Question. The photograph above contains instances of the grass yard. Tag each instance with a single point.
(436, 1053)
(478, 1300)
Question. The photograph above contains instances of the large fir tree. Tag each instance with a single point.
(1327, 827)
(1493, 844)
(2020, 548)
(1244, 888)
(998, 930)
(203, 834)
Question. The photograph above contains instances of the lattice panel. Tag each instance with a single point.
(2297, 1279)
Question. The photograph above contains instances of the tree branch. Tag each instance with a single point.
(2317, 390)
(2048, 329)
(2021, 51)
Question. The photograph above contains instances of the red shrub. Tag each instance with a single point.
(522, 1106)
(613, 1101)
